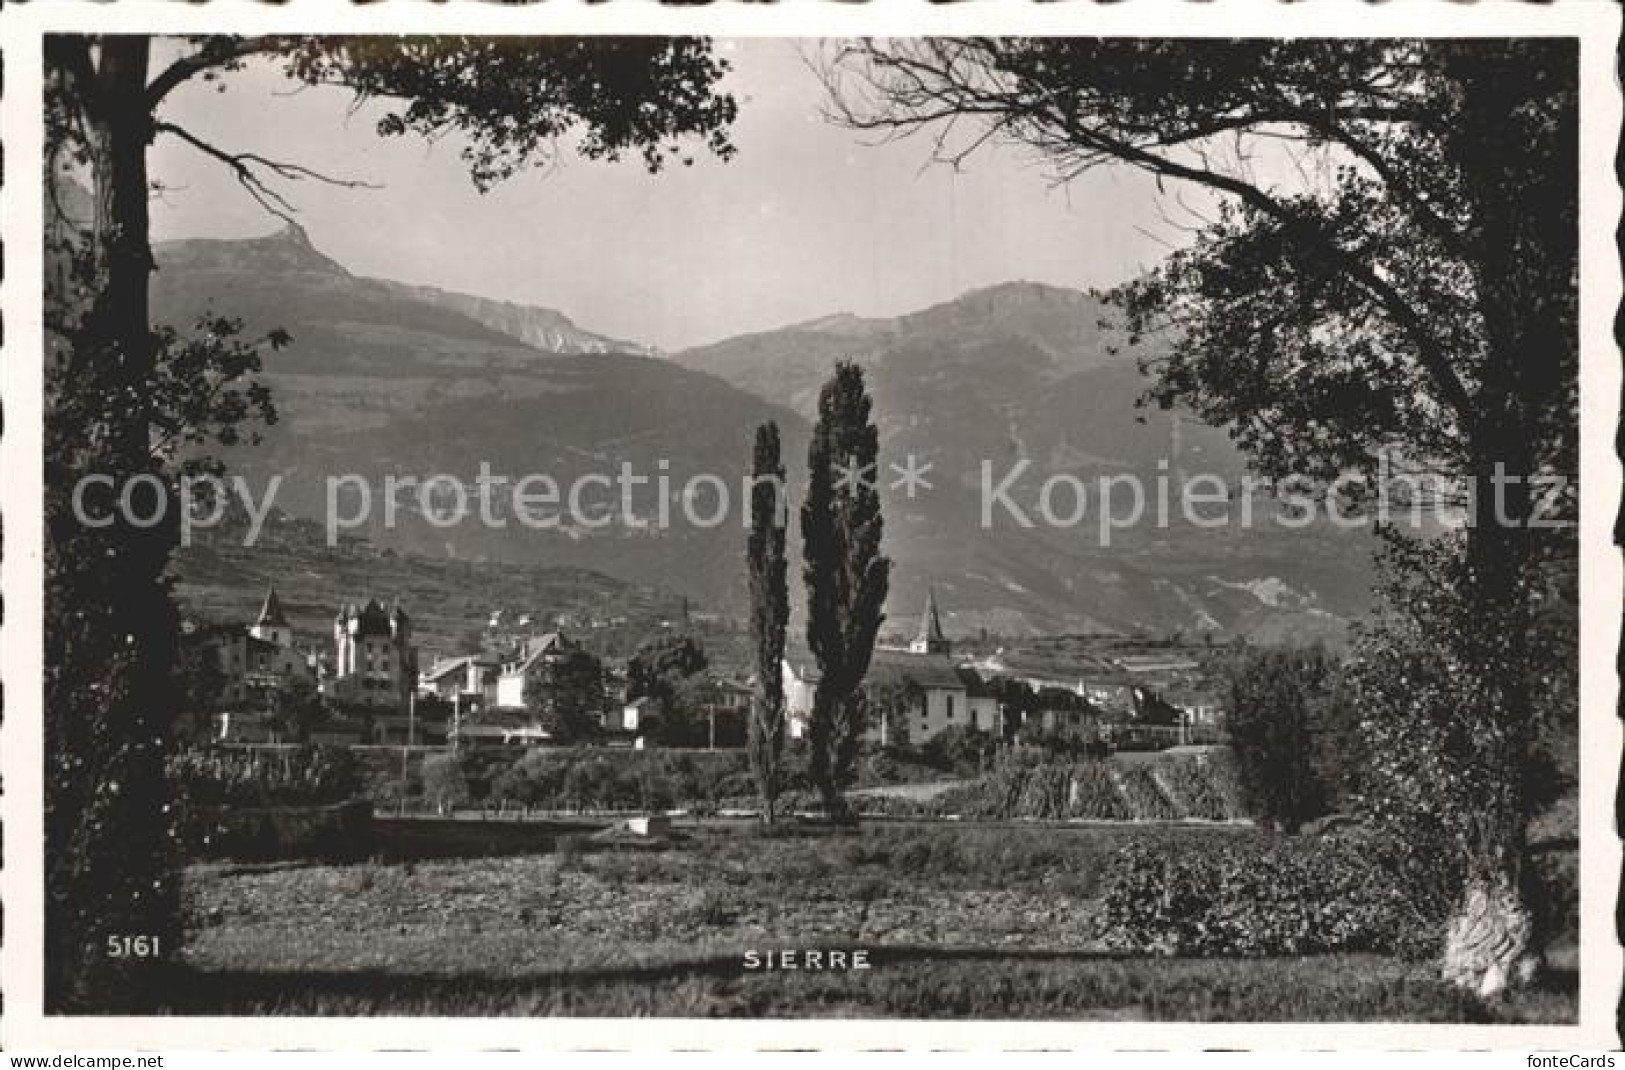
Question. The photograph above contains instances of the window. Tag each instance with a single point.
(950, 701)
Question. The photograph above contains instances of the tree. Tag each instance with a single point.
(767, 568)
(1423, 778)
(200, 682)
(892, 703)
(1017, 702)
(445, 783)
(1416, 306)
(566, 693)
(1273, 695)
(660, 664)
(295, 708)
(847, 578)
(123, 399)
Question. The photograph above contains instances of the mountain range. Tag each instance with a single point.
(386, 378)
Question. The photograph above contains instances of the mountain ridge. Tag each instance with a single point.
(387, 378)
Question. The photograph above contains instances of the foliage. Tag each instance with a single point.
(1409, 316)
(1199, 787)
(117, 391)
(889, 704)
(1271, 713)
(846, 576)
(285, 776)
(769, 615)
(295, 707)
(513, 101)
(1319, 321)
(1028, 783)
(1428, 783)
(445, 782)
(960, 748)
(580, 778)
(661, 663)
(1257, 897)
(566, 693)
(199, 683)
(1017, 701)
(1142, 793)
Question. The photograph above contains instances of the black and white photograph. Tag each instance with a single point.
(934, 528)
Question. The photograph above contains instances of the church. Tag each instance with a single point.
(937, 693)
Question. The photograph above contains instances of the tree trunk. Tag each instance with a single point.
(1491, 942)
(110, 623)
(1523, 231)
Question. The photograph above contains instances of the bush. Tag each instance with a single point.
(303, 776)
(573, 778)
(1189, 785)
(1144, 798)
(959, 748)
(445, 785)
(1093, 794)
(1274, 695)
(1260, 897)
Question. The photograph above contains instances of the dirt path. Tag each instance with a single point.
(918, 792)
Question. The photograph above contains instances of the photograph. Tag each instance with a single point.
(1043, 528)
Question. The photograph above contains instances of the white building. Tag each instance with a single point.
(940, 694)
(510, 688)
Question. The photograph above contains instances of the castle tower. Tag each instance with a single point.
(272, 625)
(343, 644)
(930, 640)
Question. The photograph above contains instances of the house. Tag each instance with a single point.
(636, 712)
(1199, 707)
(467, 682)
(533, 655)
(499, 728)
(260, 657)
(411, 728)
(939, 693)
(375, 663)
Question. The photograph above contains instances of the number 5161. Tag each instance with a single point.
(132, 947)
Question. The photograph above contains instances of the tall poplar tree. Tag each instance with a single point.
(847, 578)
(769, 614)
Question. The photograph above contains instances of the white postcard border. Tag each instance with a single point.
(1596, 22)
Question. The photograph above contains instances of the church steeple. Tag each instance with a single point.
(930, 640)
(272, 625)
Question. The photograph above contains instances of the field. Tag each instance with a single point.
(969, 921)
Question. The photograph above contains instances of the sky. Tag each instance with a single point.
(807, 220)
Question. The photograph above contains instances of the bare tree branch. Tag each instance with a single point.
(248, 168)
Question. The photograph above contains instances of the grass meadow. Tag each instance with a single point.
(960, 921)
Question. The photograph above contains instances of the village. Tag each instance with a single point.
(374, 686)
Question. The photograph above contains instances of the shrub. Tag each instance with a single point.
(1259, 897)
(959, 748)
(1189, 786)
(1093, 794)
(1144, 798)
(1272, 702)
(444, 783)
(303, 776)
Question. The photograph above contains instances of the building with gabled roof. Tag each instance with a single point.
(536, 652)
(272, 624)
(943, 693)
